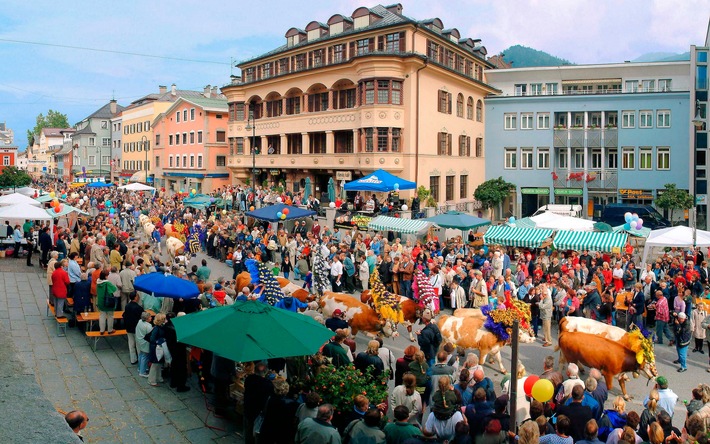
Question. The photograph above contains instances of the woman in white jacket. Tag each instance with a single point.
(364, 274)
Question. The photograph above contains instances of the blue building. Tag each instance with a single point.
(589, 135)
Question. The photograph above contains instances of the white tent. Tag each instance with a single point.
(27, 191)
(22, 212)
(17, 198)
(552, 221)
(136, 186)
(675, 237)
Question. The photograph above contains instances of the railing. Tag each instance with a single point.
(604, 179)
(580, 92)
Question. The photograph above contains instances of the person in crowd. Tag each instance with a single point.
(144, 329)
(131, 316)
(318, 429)
(60, 287)
(683, 333)
(157, 339)
(77, 420)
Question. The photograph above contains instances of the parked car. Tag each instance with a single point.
(613, 214)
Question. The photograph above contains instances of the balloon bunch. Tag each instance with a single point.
(424, 293)
(282, 214)
(58, 207)
(540, 389)
(633, 221)
(386, 303)
(320, 273)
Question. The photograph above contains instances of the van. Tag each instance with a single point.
(562, 210)
(613, 214)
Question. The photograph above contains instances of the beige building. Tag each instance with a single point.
(40, 161)
(372, 90)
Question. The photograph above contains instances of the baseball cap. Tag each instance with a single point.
(662, 382)
(337, 312)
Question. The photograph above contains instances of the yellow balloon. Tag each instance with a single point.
(543, 390)
(224, 211)
(51, 194)
(194, 191)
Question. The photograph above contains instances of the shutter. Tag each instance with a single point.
(402, 41)
(371, 44)
(330, 55)
(449, 139)
(449, 102)
(380, 43)
(468, 146)
(351, 51)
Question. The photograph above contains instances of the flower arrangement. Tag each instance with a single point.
(386, 303)
(499, 321)
(554, 175)
(576, 176)
(264, 280)
(340, 386)
(320, 273)
(641, 342)
(424, 293)
(590, 177)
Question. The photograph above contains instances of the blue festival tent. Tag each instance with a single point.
(379, 181)
(162, 286)
(99, 185)
(270, 213)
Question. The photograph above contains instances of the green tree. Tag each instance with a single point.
(493, 192)
(425, 197)
(53, 119)
(12, 177)
(673, 198)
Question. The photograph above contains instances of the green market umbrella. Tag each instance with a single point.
(461, 221)
(307, 188)
(331, 190)
(251, 330)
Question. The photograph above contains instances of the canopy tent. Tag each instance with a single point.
(643, 232)
(271, 213)
(516, 237)
(399, 225)
(680, 236)
(554, 221)
(66, 209)
(460, 221)
(137, 186)
(47, 198)
(589, 240)
(99, 185)
(18, 198)
(199, 201)
(162, 286)
(27, 191)
(380, 181)
(23, 211)
(525, 222)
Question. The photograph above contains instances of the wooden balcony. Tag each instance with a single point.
(329, 161)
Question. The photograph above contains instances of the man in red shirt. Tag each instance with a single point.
(60, 285)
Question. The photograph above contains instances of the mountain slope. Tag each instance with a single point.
(522, 57)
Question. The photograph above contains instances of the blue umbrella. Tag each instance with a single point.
(307, 188)
(99, 185)
(162, 286)
(380, 181)
(272, 213)
(331, 190)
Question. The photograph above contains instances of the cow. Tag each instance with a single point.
(175, 247)
(288, 287)
(468, 332)
(610, 357)
(590, 326)
(360, 317)
(410, 310)
(466, 312)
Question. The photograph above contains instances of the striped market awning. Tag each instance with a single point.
(589, 240)
(516, 237)
(398, 225)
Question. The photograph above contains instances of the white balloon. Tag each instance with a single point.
(405, 208)
(279, 200)
(331, 205)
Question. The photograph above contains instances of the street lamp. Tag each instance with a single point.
(251, 125)
(144, 143)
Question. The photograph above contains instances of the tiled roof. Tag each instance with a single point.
(65, 150)
(85, 130)
(105, 112)
(187, 94)
(52, 132)
(204, 102)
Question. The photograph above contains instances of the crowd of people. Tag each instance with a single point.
(439, 392)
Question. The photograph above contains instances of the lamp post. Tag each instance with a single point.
(144, 143)
(698, 123)
(252, 126)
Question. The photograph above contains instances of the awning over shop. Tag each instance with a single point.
(589, 240)
(516, 237)
(398, 225)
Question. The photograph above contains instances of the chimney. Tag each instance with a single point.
(112, 106)
(395, 9)
(162, 89)
(215, 91)
(173, 89)
(207, 91)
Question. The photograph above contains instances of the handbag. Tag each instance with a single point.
(110, 302)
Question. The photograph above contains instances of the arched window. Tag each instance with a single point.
(479, 111)
(459, 105)
(469, 108)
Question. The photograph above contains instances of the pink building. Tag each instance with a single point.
(191, 144)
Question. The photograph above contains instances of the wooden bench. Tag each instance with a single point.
(61, 322)
(68, 303)
(97, 335)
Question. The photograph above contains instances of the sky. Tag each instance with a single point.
(204, 38)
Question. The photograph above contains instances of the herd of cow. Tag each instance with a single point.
(584, 341)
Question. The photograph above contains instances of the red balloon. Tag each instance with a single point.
(285, 211)
(57, 209)
(528, 385)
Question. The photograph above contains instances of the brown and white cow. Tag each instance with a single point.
(410, 310)
(468, 332)
(523, 335)
(592, 327)
(360, 317)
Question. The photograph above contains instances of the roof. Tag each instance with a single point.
(85, 130)
(219, 104)
(516, 237)
(53, 132)
(105, 112)
(65, 150)
(398, 225)
(589, 240)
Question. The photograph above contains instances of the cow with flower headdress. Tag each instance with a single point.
(266, 287)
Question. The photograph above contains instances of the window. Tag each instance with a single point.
(444, 102)
(432, 50)
(396, 93)
(184, 115)
(628, 119)
(139, 127)
(240, 145)
(459, 105)
(646, 119)
(199, 157)
(157, 140)
(105, 160)
(595, 159)
(645, 158)
(511, 158)
(579, 158)
(363, 46)
(393, 42)
(192, 161)
(170, 161)
(434, 187)
(293, 105)
(463, 186)
(396, 139)
(170, 139)
(663, 158)
(469, 108)
(221, 136)
(536, 89)
(551, 89)
(318, 102)
(511, 121)
(464, 146)
(239, 111)
(612, 159)
(479, 147)
(6, 160)
(648, 85)
(444, 144)
(521, 89)
(92, 160)
(338, 54)
(199, 137)
(157, 161)
(526, 158)
(543, 158)
(628, 161)
(479, 111)
(184, 161)
(450, 187)
(382, 135)
(146, 126)
(177, 161)
(526, 121)
(105, 141)
(663, 118)
(104, 124)
(177, 117)
(543, 120)
(192, 137)
(631, 86)
(664, 85)
(92, 141)
(184, 138)
(383, 92)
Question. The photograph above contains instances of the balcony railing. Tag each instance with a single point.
(603, 179)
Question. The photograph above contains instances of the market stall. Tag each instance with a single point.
(399, 225)
(380, 181)
(680, 236)
(517, 237)
(589, 240)
(17, 198)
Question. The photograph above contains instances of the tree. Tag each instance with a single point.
(673, 198)
(53, 119)
(493, 192)
(12, 177)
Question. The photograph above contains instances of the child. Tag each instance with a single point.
(308, 281)
(696, 403)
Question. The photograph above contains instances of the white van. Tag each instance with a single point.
(562, 210)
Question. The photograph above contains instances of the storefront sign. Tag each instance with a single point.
(343, 175)
(274, 172)
(568, 192)
(543, 191)
(635, 194)
(701, 199)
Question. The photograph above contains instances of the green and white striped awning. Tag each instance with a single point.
(516, 237)
(398, 225)
(589, 240)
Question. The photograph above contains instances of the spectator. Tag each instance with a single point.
(367, 430)
(77, 420)
(131, 317)
(316, 430)
(429, 338)
(485, 383)
(402, 429)
(406, 396)
(577, 413)
(562, 432)
(143, 330)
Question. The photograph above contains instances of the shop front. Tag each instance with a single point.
(532, 199)
(637, 197)
(569, 196)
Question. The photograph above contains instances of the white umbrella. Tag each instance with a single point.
(136, 186)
